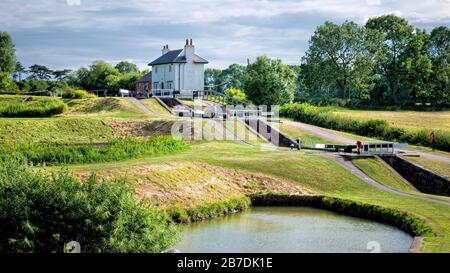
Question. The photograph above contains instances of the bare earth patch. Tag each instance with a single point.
(192, 184)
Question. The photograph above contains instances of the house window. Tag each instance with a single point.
(156, 69)
(155, 85)
(169, 85)
(170, 68)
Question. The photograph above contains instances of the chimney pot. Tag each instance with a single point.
(191, 41)
(187, 42)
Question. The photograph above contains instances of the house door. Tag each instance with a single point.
(162, 85)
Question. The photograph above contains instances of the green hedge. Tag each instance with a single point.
(41, 213)
(207, 211)
(52, 154)
(371, 128)
(34, 108)
(402, 220)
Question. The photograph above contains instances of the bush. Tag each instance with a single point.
(51, 154)
(206, 211)
(371, 128)
(77, 94)
(40, 213)
(36, 107)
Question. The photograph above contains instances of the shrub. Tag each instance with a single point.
(51, 154)
(40, 213)
(77, 94)
(206, 211)
(36, 107)
(323, 117)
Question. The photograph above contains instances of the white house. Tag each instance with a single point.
(179, 70)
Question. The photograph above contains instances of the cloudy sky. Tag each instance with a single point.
(73, 33)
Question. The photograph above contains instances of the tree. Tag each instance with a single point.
(19, 70)
(236, 94)
(397, 35)
(337, 58)
(7, 53)
(94, 77)
(40, 72)
(212, 77)
(7, 85)
(439, 52)
(126, 67)
(269, 82)
(233, 77)
(61, 75)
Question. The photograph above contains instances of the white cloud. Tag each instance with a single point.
(226, 31)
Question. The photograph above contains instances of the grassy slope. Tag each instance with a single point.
(86, 120)
(407, 119)
(315, 173)
(155, 107)
(308, 139)
(435, 166)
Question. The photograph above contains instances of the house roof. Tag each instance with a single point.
(176, 56)
(146, 78)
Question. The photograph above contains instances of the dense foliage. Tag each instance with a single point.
(269, 82)
(51, 154)
(15, 106)
(370, 128)
(41, 213)
(386, 62)
(76, 94)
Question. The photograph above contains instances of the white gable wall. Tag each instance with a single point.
(162, 73)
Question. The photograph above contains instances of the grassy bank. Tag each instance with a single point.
(314, 174)
(324, 117)
(23, 106)
(402, 220)
(48, 154)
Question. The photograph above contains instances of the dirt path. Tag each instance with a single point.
(141, 106)
(347, 164)
(318, 131)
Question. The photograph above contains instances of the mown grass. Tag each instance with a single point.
(319, 174)
(155, 107)
(41, 154)
(104, 107)
(439, 167)
(374, 168)
(439, 120)
(54, 130)
(16, 106)
(308, 139)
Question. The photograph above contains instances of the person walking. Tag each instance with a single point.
(433, 139)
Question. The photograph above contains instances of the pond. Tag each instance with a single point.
(291, 229)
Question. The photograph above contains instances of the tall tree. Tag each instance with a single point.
(7, 53)
(213, 78)
(439, 53)
(61, 75)
(269, 82)
(397, 35)
(40, 72)
(19, 70)
(126, 67)
(338, 58)
(233, 77)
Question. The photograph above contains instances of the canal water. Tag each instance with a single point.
(291, 229)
